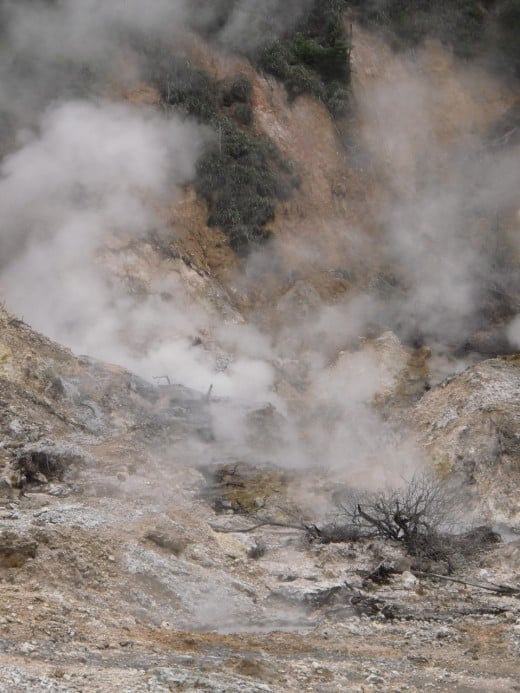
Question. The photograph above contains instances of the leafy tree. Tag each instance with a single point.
(315, 57)
(240, 177)
(240, 174)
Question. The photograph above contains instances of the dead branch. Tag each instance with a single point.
(266, 523)
(503, 590)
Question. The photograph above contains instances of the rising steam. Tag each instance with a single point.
(85, 174)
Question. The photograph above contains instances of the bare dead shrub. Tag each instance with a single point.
(420, 515)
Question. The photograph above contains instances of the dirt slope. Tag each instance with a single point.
(128, 558)
(330, 232)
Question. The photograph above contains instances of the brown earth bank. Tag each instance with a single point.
(157, 538)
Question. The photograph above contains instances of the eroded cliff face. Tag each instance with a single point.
(412, 115)
(160, 516)
(389, 204)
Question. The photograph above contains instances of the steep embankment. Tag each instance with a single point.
(157, 537)
(349, 225)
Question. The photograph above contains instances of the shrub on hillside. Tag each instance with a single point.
(316, 58)
(239, 91)
(242, 113)
(240, 176)
(190, 89)
(422, 516)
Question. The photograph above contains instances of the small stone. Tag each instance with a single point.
(375, 680)
(27, 648)
(408, 579)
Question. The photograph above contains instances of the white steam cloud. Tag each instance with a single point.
(251, 24)
(87, 178)
(447, 194)
(90, 175)
(514, 332)
(87, 174)
(86, 29)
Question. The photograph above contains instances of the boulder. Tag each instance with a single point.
(470, 427)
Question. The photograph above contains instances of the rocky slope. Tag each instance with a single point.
(116, 571)
(155, 536)
(470, 426)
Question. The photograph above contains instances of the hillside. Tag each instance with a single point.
(259, 338)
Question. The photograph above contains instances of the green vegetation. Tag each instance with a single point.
(241, 175)
(180, 82)
(316, 58)
(190, 89)
(242, 113)
(239, 91)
